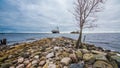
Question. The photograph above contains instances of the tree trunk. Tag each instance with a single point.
(79, 41)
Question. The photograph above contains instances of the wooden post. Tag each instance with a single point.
(3, 41)
(84, 38)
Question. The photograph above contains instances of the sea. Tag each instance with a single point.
(109, 41)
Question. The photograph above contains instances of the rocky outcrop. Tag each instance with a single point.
(57, 53)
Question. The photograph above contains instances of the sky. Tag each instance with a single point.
(36, 16)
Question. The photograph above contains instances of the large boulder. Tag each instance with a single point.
(117, 59)
(66, 60)
(102, 64)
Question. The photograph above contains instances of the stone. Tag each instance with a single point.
(102, 64)
(20, 66)
(5, 65)
(46, 65)
(98, 52)
(26, 62)
(12, 67)
(79, 54)
(66, 60)
(77, 65)
(65, 54)
(100, 57)
(84, 51)
(56, 48)
(20, 60)
(42, 63)
(50, 55)
(65, 67)
(51, 65)
(36, 57)
(73, 58)
(117, 58)
(88, 56)
(34, 62)
(29, 65)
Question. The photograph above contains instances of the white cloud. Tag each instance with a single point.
(43, 14)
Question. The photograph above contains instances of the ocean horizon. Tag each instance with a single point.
(110, 41)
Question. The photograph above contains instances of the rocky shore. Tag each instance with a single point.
(57, 53)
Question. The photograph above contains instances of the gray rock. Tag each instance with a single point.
(77, 66)
(50, 55)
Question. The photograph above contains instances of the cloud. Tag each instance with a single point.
(45, 15)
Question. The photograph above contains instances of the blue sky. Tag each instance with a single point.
(19, 16)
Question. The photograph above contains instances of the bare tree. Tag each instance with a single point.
(84, 12)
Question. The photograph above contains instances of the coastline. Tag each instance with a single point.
(58, 52)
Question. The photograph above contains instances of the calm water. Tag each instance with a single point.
(106, 40)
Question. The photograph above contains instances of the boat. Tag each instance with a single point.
(56, 30)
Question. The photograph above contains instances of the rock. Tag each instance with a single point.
(12, 67)
(20, 66)
(73, 57)
(117, 58)
(77, 65)
(2, 59)
(98, 52)
(100, 57)
(65, 67)
(50, 55)
(56, 48)
(66, 60)
(79, 54)
(26, 62)
(51, 65)
(20, 60)
(42, 63)
(65, 54)
(36, 57)
(34, 62)
(88, 56)
(102, 64)
(25, 55)
(29, 65)
(84, 51)
(5, 65)
(46, 65)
